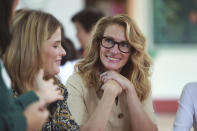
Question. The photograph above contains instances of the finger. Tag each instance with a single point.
(103, 74)
(51, 81)
(45, 114)
(56, 98)
(105, 80)
(107, 77)
(57, 88)
(60, 97)
(58, 92)
(42, 104)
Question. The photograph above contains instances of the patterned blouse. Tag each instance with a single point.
(60, 118)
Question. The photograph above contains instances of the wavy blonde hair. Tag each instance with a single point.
(24, 57)
(138, 66)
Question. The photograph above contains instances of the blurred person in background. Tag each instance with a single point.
(69, 60)
(22, 113)
(111, 88)
(186, 116)
(36, 45)
(84, 22)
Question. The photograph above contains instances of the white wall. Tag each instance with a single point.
(173, 68)
(63, 10)
(142, 13)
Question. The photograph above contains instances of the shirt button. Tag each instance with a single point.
(120, 115)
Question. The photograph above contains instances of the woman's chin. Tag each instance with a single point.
(114, 69)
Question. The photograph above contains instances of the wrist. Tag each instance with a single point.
(111, 92)
(27, 120)
(130, 90)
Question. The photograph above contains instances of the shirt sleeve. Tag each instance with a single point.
(148, 108)
(13, 120)
(11, 113)
(25, 99)
(76, 102)
(184, 115)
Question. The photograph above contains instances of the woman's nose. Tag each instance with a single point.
(115, 49)
(63, 52)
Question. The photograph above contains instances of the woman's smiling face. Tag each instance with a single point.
(113, 58)
(53, 53)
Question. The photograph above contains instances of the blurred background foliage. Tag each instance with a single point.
(175, 21)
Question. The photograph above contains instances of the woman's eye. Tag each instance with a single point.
(55, 46)
(124, 44)
(109, 40)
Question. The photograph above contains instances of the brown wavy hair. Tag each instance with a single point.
(24, 57)
(137, 69)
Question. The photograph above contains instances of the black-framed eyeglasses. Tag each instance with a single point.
(109, 42)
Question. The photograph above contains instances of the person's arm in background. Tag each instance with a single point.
(139, 120)
(25, 99)
(12, 113)
(184, 116)
(30, 119)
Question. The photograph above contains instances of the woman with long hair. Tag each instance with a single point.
(111, 88)
(36, 45)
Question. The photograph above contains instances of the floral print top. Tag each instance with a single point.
(60, 118)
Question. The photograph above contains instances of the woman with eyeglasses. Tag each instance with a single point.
(111, 88)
